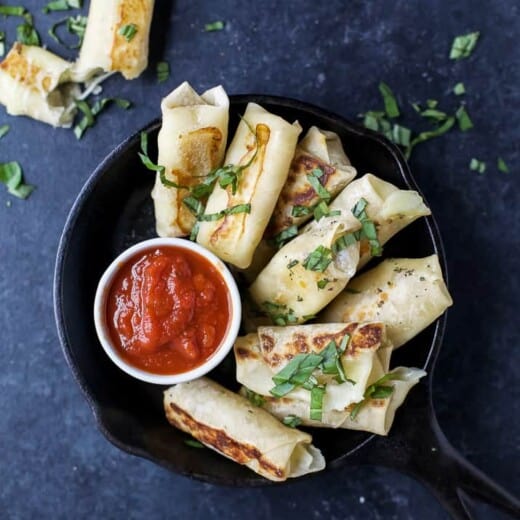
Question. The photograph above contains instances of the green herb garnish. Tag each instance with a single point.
(26, 34)
(463, 118)
(254, 398)
(502, 166)
(459, 89)
(425, 136)
(163, 71)
(211, 217)
(11, 175)
(401, 135)
(193, 443)
(4, 130)
(62, 5)
(91, 112)
(322, 283)
(214, 26)
(292, 421)
(279, 313)
(345, 241)
(391, 107)
(463, 45)
(280, 239)
(128, 31)
(11, 10)
(317, 394)
(478, 166)
(318, 260)
(76, 25)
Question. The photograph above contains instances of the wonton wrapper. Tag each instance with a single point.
(260, 356)
(296, 287)
(376, 416)
(318, 149)
(36, 83)
(390, 208)
(227, 423)
(192, 142)
(406, 294)
(234, 238)
(105, 49)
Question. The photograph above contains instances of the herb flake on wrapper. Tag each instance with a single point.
(292, 421)
(128, 31)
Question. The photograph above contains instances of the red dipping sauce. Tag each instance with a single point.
(167, 310)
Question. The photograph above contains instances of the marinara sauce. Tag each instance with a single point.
(167, 310)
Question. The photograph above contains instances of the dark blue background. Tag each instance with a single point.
(54, 463)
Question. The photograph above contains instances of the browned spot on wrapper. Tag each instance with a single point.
(240, 452)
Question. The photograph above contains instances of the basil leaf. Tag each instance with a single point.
(254, 398)
(401, 135)
(90, 113)
(26, 34)
(344, 343)
(301, 211)
(318, 260)
(163, 71)
(425, 136)
(391, 107)
(463, 45)
(12, 176)
(76, 25)
(478, 166)
(128, 31)
(284, 236)
(463, 118)
(382, 392)
(359, 208)
(290, 369)
(282, 389)
(214, 26)
(317, 394)
(233, 210)
(194, 443)
(343, 242)
(194, 205)
(278, 313)
(322, 283)
(434, 114)
(356, 409)
(329, 355)
(459, 89)
(292, 421)
(62, 5)
(11, 10)
(322, 192)
(502, 166)
(4, 130)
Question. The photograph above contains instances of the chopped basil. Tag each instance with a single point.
(291, 264)
(12, 176)
(279, 313)
(434, 115)
(11, 10)
(90, 113)
(193, 443)
(478, 166)
(214, 26)
(359, 209)
(313, 179)
(459, 89)
(318, 260)
(76, 25)
(128, 31)
(431, 103)
(317, 394)
(368, 228)
(233, 210)
(292, 421)
(391, 107)
(62, 5)
(344, 241)
(2, 43)
(401, 135)
(425, 136)
(163, 71)
(323, 210)
(301, 211)
(322, 283)
(26, 34)
(194, 205)
(463, 45)
(284, 236)
(254, 398)
(4, 130)
(377, 390)
(463, 118)
(502, 166)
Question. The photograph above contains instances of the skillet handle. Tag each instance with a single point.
(417, 446)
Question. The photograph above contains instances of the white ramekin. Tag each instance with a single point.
(100, 315)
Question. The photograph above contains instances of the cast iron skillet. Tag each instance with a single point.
(114, 211)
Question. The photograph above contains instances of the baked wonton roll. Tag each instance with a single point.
(375, 415)
(390, 208)
(116, 38)
(319, 155)
(265, 143)
(307, 273)
(36, 83)
(263, 356)
(192, 142)
(407, 294)
(227, 423)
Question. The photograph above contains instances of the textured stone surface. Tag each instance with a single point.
(55, 463)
